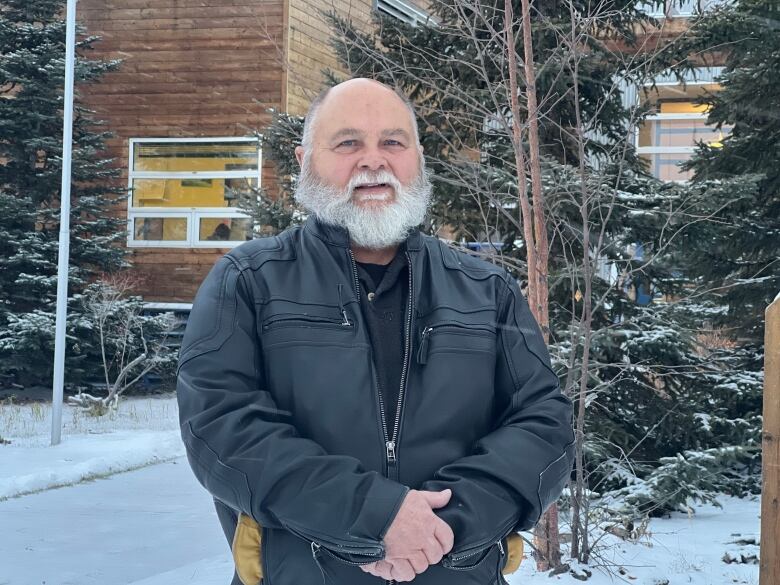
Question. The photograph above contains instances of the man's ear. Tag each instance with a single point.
(299, 155)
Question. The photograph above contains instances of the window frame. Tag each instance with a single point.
(192, 215)
(671, 150)
(681, 8)
(404, 11)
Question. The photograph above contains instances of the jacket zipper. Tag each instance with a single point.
(348, 548)
(307, 321)
(479, 547)
(389, 445)
(391, 442)
(457, 328)
(355, 280)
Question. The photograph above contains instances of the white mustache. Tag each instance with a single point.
(366, 178)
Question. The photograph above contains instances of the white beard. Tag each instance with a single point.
(374, 227)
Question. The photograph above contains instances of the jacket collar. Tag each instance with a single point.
(339, 236)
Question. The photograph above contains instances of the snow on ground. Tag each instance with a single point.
(141, 432)
(25, 470)
(30, 423)
(157, 526)
(682, 549)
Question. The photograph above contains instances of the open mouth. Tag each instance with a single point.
(371, 186)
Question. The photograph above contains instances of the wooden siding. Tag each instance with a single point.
(308, 46)
(203, 68)
(190, 68)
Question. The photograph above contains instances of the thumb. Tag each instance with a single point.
(438, 499)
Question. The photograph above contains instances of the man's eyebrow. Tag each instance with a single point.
(395, 132)
(360, 134)
(347, 132)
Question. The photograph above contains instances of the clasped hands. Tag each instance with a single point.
(416, 539)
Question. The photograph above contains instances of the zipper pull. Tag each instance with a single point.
(390, 451)
(315, 548)
(422, 352)
(346, 322)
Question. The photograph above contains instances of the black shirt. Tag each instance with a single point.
(383, 301)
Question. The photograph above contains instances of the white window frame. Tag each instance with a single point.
(404, 11)
(691, 116)
(681, 8)
(192, 215)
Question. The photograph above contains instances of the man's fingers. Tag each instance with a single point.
(369, 568)
(384, 570)
(419, 562)
(444, 535)
(437, 499)
(402, 570)
(432, 551)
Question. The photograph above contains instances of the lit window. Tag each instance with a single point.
(183, 192)
(668, 137)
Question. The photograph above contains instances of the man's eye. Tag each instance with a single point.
(348, 143)
(393, 143)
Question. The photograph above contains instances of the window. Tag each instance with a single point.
(403, 10)
(682, 8)
(183, 192)
(668, 137)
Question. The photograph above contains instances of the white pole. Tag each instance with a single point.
(64, 249)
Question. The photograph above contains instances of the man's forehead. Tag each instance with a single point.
(368, 108)
(360, 133)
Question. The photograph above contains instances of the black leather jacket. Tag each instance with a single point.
(282, 418)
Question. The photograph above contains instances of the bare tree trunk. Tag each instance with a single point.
(526, 218)
(546, 534)
(540, 308)
(580, 547)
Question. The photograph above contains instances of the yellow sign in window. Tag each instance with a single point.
(190, 192)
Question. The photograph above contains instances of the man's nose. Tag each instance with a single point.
(372, 160)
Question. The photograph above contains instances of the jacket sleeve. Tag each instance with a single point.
(247, 452)
(515, 472)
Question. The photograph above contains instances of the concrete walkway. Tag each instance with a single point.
(151, 526)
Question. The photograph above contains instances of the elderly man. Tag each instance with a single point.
(362, 401)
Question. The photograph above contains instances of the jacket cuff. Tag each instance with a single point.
(393, 511)
(375, 509)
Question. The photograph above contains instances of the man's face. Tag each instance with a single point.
(364, 169)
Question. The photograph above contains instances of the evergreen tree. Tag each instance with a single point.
(32, 73)
(738, 253)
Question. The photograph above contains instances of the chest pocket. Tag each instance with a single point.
(455, 359)
(316, 367)
(450, 336)
(288, 323)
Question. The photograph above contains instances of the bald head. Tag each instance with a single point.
(359, 89)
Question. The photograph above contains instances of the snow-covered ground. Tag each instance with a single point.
(141, 432)
(156, 526)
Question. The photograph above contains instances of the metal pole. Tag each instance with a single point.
(64, 249)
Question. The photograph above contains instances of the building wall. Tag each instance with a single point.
(309, 50)
(190, 68)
